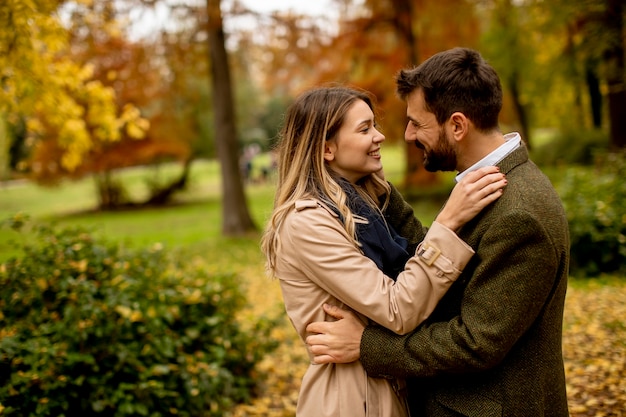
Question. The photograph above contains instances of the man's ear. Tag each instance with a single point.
(458, 125)
(329, 151)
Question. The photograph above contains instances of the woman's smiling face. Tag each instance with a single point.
(355, 151)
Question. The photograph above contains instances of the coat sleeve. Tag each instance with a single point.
(315, 244)
(508, 290)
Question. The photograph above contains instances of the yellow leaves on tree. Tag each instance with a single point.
(57, 97)
(81, 114)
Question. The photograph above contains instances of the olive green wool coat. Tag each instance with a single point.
(492, 347)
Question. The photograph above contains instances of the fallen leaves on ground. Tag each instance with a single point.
(594, 347)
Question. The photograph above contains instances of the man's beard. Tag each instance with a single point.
(442, 157)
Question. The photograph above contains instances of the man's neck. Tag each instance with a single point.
(476, 146)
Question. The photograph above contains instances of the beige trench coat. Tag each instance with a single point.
(318, 264)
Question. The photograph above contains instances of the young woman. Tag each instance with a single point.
(332, 239)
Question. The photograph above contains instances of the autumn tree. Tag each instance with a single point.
(198, 27)
(424, 28)
(365, 46)
(236, 219)
(615, 70)
(152, 73)
(590, 55)
(184, 108)
(373, 41)
(508, 45)
(63, 106)
(600, 27)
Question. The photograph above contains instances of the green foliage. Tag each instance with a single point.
(572, 147)
(595, 202)
(89, 328)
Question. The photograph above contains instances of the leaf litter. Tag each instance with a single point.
(594, 349)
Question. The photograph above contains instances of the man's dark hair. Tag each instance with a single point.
(460, 80)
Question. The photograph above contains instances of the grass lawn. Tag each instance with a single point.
(594, 331)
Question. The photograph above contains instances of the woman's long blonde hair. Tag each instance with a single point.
(314, 118)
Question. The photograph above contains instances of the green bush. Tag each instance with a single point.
(88, 328)
(595, 202)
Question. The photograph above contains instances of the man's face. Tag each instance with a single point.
(423, 130)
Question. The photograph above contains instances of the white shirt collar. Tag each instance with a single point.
(512, 141)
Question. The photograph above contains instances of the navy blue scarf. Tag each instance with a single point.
(379, 241)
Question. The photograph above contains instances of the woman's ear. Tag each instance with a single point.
(458, 125)
(329, 151)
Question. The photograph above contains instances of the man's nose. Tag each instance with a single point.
(409, 133)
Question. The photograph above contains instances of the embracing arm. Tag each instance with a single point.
(316, 245)
(506, 294)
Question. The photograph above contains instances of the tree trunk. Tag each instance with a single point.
(415, 174)
(520, 109)
(236, 220)
(5, 171)
(595, 94)
(111, 193)
(161, 196)
(614, 62)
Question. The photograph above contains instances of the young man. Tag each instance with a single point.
(492, 347)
